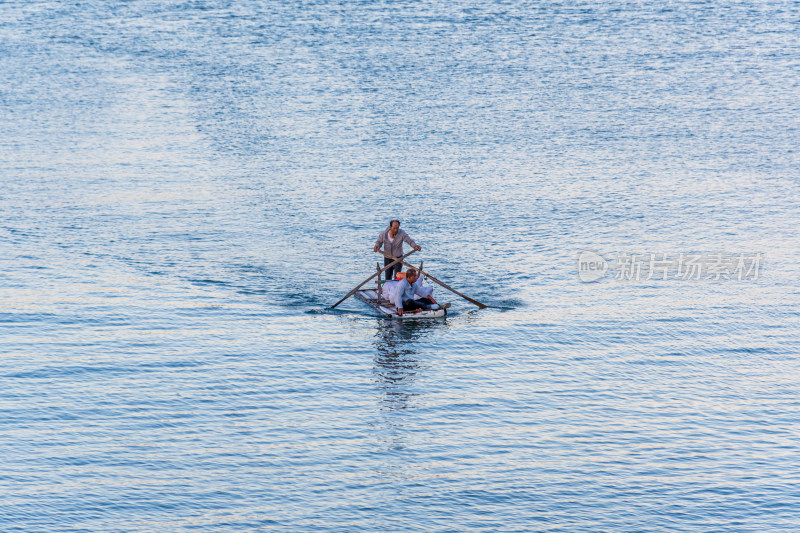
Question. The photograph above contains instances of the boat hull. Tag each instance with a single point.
(384, 307)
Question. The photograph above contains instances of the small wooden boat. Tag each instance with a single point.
(380, 303)
(387, 309)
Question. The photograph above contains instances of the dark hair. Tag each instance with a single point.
(411, 272)
(393, 221)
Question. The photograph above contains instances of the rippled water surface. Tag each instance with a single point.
(187, 186)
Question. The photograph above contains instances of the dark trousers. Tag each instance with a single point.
(413, 305)
(397, 268)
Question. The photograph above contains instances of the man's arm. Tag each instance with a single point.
(379, 242)
(398, 297)
(410, 241)
(422, 290)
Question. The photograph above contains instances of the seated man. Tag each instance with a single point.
(405, 291)
(390, 288)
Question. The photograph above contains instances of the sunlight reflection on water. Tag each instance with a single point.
(186, 188)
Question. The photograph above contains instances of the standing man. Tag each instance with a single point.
(392, 241)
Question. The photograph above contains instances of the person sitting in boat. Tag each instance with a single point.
(392, 241)
(390, 288)
(405, 291)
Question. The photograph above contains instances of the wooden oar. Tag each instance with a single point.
(380, 288)
(378, 273)
(426, 274)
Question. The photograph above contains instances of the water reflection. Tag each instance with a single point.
(397, 365)
(397, 360)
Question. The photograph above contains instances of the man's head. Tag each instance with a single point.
(411, 275)
(394, 225)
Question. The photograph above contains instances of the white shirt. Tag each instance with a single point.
(405, 291)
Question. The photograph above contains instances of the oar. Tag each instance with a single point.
(380, 288)
(467, 298)
(378, 273)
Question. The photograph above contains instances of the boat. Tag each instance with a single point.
(387, 309)
(380, 302)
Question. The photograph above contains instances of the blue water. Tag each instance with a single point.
(188, 185)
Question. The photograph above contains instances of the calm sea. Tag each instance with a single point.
(187, 186)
